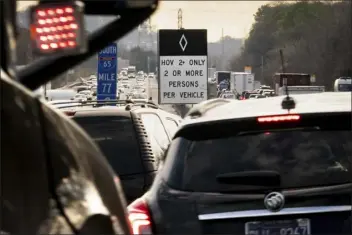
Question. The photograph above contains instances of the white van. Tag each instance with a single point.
(60, 94)
(343, 84)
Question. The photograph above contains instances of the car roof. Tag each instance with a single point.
(325, 102)
(160, 112)
(100, 111)
(89, 111)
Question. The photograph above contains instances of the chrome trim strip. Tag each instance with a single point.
(263, 213)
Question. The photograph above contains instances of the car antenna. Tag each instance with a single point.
(288, 102)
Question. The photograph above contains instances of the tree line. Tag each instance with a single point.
(315, 37)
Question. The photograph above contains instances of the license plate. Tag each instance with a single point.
(278, 227)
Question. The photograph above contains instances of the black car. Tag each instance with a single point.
(255, 168)
(133, 137)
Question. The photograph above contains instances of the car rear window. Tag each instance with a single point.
(247, 95)
(117, 140)
(302, 158)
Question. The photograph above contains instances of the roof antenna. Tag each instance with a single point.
(288, 102)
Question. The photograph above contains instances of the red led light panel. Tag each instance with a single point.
(55, 27)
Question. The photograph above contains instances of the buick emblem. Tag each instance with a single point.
(274, 201)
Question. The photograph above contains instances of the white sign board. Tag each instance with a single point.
(183, 79)
(183, 66)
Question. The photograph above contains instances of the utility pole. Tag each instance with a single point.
(222, 49)
(139, 36)
(149, 29)
(182, 107)
(179, 19)
(150, 32)
(222, 42)
(262, 67)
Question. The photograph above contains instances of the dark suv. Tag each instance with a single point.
(133, 137)
(255, 168)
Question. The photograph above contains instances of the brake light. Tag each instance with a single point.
(139, 217)
(280, 118)
(57, 28)
(70, 113)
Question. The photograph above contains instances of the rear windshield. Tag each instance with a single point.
(139, 96)
(345, 87)
(247, 95)
(116, 139)
(302, 159)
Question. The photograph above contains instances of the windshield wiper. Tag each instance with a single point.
(255, 178)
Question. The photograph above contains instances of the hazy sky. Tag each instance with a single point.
(234, 17)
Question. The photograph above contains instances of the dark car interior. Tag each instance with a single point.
(44, 154)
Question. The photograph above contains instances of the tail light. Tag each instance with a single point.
(58, 28)
(279, 118)
(139, 217)
(70, 113)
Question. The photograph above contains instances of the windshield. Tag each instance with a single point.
(228, 95)
(247, 95)
(345, 87)
(241, 37)
(302, 159)
(131, 70)
(117, 140)
(139, 96)
(238, 43)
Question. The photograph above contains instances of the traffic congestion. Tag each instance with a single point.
(181, 145)
(85, 89)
